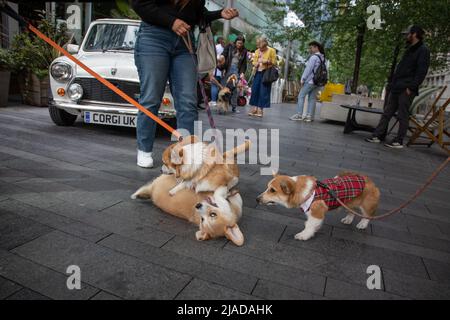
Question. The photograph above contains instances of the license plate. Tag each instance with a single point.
(112, 119)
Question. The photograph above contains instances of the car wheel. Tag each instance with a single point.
(61, 117)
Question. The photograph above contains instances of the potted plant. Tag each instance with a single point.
(5, 75)
(32, 58)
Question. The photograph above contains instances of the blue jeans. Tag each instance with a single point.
(215, 89)
(161, 55)
(309, 90)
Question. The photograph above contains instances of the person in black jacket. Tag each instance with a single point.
(408, 76)
(160, 55)
(235, 55)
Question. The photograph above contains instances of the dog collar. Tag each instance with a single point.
(307, 204)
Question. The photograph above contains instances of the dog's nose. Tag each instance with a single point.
(198, 205)
(258, 199)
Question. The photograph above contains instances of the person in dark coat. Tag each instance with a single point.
(408, 76)
(235, 63)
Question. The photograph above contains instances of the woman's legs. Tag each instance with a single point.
(152, 60)
(256, 87)
(183, 80)
(312, 99)
(304, 91)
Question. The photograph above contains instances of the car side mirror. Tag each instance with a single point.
(73, 48)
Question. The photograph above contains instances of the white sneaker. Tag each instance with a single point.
(296, 117)
(308, 119)
(144, 159)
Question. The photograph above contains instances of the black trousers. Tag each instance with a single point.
(400, 103)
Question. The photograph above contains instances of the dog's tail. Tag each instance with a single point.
(237, 150)
(144, 192)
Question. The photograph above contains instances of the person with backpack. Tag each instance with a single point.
(313, 78)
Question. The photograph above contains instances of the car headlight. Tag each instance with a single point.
(61, 71)
(75, 91)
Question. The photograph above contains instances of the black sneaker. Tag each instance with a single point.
(373, 140)
(394, 145)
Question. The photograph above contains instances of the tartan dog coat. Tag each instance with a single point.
(346, 188)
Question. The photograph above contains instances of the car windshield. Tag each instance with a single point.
(104, 37)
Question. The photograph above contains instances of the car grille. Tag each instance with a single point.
(96, 91)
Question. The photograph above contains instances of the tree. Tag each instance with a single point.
(336, 22)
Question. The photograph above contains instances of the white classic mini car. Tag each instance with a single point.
(108, 49)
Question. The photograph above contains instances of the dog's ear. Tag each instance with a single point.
(287, 187)
(274, 173)
(234, 234)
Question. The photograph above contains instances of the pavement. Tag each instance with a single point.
(65, 200)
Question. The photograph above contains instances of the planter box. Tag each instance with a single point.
(5, 77)
(38, 91)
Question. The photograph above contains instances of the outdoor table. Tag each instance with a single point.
(351, 124)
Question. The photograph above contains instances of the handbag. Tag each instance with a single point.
(270, 75)
(206, 50)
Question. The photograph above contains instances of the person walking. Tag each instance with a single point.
(235, 64)
(220, 46)
(264, 58)
(308, 88)
(408, 76)
(161, 55)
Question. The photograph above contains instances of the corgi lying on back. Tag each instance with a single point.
(215, 218)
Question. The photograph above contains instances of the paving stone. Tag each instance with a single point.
(348, 249)
(41, 279)
(438, 271)
(120, 274)
(273, 291)
(394, 245)
(249, 265)
(340, 290)
(76, 181)
(53, 220)
(102, 295)
(198, 269)
(16, 230)
(202, 290)
(27, 294)
(7, 288)
(415, 288)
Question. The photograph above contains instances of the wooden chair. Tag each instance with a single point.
(434, 128)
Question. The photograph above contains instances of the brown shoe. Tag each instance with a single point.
(253, 112)
(259, 113)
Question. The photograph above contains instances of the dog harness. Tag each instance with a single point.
(346, 189)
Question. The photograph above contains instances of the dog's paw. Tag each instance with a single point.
(133, 196)
(201, 236)
(363, 224)
(172, 192)
(303, 236)
(347, 220)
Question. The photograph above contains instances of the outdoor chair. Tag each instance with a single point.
(434, 128)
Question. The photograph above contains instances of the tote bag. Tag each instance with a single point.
(206, 50)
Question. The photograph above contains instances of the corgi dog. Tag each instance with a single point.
(225, 93)
(168, 166)
(202, 167)
(305, 192)
(215, 217)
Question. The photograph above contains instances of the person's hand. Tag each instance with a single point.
(408, 92)
(302, 83)
(180, 27)
(229, 13)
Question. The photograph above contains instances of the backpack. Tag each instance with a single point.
(321, 75)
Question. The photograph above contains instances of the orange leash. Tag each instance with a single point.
(404, 204)
(105, 82)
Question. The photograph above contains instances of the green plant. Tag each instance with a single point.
(6, 62)
(31, 54)
(124, 11)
